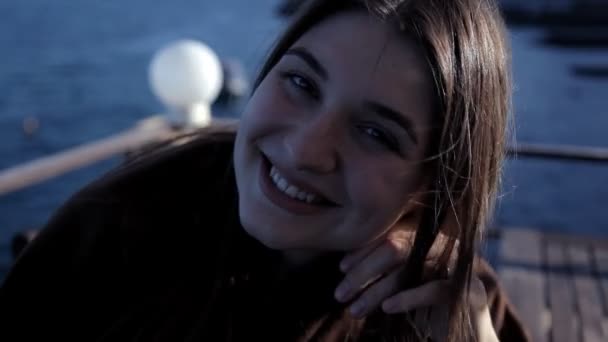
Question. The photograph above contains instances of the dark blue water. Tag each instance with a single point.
(80, 68)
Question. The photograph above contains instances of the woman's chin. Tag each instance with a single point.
(292, 249)
(265, 235)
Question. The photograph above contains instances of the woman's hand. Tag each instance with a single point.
(378, 264)
(373, 273)
(372, 277)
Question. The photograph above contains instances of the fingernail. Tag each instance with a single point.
(357, 309)
(341, 292)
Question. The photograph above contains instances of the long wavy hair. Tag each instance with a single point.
(465, 45)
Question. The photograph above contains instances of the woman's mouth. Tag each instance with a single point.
(285, 194)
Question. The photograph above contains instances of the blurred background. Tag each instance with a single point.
(75, 71)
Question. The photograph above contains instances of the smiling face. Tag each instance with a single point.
(329, 151)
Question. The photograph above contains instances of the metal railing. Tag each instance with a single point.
(559, 152)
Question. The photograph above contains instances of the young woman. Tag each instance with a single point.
(375, 131)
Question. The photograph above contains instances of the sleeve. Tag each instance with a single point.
(507, 323)
(64, 280)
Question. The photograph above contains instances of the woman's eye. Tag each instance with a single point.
(301, 83)
(381, 137)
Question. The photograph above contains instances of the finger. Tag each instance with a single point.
(355, 257)
(372, 297)
(442, 241)
(480, 311)
(478, 299)
(484, 327)
(429, 294)
(381, 260)
(400, 237)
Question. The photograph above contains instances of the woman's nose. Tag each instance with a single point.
(313, 146)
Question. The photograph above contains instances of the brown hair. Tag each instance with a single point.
(465, 46)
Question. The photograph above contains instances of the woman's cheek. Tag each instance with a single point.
(269, 103)
(385, 196)
(261, 115)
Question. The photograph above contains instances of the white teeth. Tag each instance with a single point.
(290, 190)
(282, 184)
(273, 171)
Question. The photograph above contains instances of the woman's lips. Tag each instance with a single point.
(281, 199)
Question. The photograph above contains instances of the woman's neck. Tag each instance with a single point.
(299, 257)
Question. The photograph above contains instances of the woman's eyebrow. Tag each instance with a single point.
(309, 59)
(390, 114)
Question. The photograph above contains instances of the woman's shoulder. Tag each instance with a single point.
(173, 197)
(126, 236)
(162, 197)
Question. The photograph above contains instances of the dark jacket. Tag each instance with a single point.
(153, 251)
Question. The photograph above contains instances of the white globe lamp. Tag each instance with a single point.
(187, 77)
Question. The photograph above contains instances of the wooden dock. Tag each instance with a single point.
(558, 283)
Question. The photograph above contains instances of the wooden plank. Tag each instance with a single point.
(564, 328)
(583, 239)
(587, 289)
(520, 272)
(600, 256)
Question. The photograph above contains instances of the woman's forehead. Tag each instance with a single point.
(356, 40)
